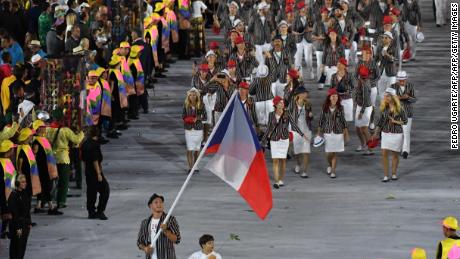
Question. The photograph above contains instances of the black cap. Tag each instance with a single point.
(153, 197)
(300, 89)
(277, 37)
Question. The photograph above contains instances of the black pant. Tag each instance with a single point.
(133, 104)
(18, 244)
(93, 188)
(144, 101)
(184, 38)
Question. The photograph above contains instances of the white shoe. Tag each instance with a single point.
(385, 179)
(320, 86)
(329, 170)
(372, 126)
(359, 148)
(333, 175)
(297, 169)
(394, 177)
(280, 183)
(304, 175)
(312, 75)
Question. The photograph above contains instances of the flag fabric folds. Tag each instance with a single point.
(239, 159)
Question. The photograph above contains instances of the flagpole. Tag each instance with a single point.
(190, 174)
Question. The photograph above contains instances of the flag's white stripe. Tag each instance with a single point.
(236, 152)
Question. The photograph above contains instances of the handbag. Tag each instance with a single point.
(322, 79)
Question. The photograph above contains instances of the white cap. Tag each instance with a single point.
(36, 58)
(262, 5)
(236, 22)
(209, 53)
(388, 34)
(344, 2)
(262, 71)
(226, 72)
(84, 5)
(402, 75)
(283, 22)
(235, 4)
(390, 91)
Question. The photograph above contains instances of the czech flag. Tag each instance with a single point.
(238, 157)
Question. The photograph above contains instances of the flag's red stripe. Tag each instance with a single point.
(256, 189)
(212, 149)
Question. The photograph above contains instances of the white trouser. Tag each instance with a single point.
(260, 52)
(329, 72)
(304, 49)
(319, 62)
(278, 88)
(412, 32)
(441, 11)
(384, 83)
(347, 55)
(406, 133)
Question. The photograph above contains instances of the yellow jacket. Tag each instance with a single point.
(61, 147)
(5, 92)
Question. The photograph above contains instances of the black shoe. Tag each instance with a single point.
(159, 75)
(123, 126)
(146, 111)
(93, 216)
(171, 61)
(288, 156)
(55, 212)
(103, 140)
(39, 210)
(118, 133)
(438, 25)
(405, 155)
(153, 80)
(276, 186)
(112, 134)
(166, 66)
(102, 216)
(33, 224)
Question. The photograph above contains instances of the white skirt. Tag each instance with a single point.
(209, 101)
(301, 146)
(279, 148)
(278, 88)
(392, 141)
(193, 139)
(348, 108)
(263, 108)
(334, 143)
(365, 120)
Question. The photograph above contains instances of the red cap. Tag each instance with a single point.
(289, 9)
(301, 4)
(244, 85)
(214, 45)
(363, 71)
(387, 20)
(239, 39)
(331, 30)
(343, 61)
(366, 48)
(276, 100)
(324, 10)
(231, 63)
(331, 91)
(204, 67)
(362, 31)
(395, 11)
(290, 2)
(293, 73)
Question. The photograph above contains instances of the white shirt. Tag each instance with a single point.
(262, 18)
(201, 255)
(154, 226)
(342, 24)
(198, 8)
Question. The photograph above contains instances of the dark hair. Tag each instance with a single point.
(327, 103)
(204, 239)
(93, 131)
(45, 6)
(60, 29)
(153, 197)
(19, 70)
(6, 57)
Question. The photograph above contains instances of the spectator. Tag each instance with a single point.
(55, 41)
(15, 50)
(32, 16)
(44, 23)
(73, 40)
